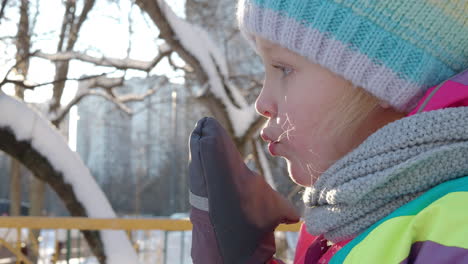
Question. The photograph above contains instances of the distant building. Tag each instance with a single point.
(103, 138)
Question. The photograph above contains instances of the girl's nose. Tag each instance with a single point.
(265, 105)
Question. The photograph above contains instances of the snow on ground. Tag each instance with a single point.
(29, 125)
(151, 246)
(198, 42)
(77, 261)
(10, 235)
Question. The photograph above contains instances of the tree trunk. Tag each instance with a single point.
(36, 202)
(71, 26)
(23, 45)
(15, 188)
(21, 68)
(2, 9)
(36, 195)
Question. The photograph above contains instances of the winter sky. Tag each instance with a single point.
(105, 33)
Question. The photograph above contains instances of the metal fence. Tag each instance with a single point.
(58, 240)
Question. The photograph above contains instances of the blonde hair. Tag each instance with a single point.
(352, 108)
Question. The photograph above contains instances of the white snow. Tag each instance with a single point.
(10, 235)
(198, 42)
(153, 247)
(29, 125)
(164, 47)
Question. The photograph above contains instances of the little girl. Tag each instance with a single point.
(366, 102)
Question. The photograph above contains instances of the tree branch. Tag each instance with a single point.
(177, 67)
(61, 69)
(220, 96)
(34, 20)
(153, 9)
(135, 97)
(67, 108)
(251, 131)
(23, 83)
(90, 82)
(130, 29)
(104, 82)
(42, 167)
(75, 27)
(111, 99)
(226, 87)
(108, 84)
(2, 9)
(121, 64)
(23, 45)
(18, 62)
(67, 21)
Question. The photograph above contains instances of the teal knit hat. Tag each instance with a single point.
(394, 49)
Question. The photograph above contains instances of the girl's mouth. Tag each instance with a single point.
(272, 147)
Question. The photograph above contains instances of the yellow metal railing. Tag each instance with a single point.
(82, 223)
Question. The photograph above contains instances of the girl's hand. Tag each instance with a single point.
(234, 211)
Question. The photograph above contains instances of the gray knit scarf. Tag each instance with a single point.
(393, 166)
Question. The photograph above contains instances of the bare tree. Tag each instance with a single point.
(21, 69)
(2, 9)
(97, 85)
(160, 14)
(215, 80)
(23, 151)
(71, 26)
(44, 170)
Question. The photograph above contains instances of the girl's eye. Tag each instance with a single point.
(284, 69)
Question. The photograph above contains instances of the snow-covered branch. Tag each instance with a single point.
(94, 81)
(135, 97)
(252, 131)
(174, 66)
(122, 64)
(2, 8)
(108, 84)
(19, 77)
(166, 32)
(111, 99)
(37, 144)
(86, 88)
(103, 82)
(30, 86)
(64, 111)
(197, 49)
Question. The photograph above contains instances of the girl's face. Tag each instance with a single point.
(297, 98)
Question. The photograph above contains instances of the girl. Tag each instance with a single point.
(366, 102)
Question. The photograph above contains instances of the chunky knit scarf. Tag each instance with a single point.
(393, 166)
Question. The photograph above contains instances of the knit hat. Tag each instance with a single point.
(394, 49)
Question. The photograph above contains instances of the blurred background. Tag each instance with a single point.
(125, 81)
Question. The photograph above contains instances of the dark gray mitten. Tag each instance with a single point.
(234, 211)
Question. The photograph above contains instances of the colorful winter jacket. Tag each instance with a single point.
(432, 228)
